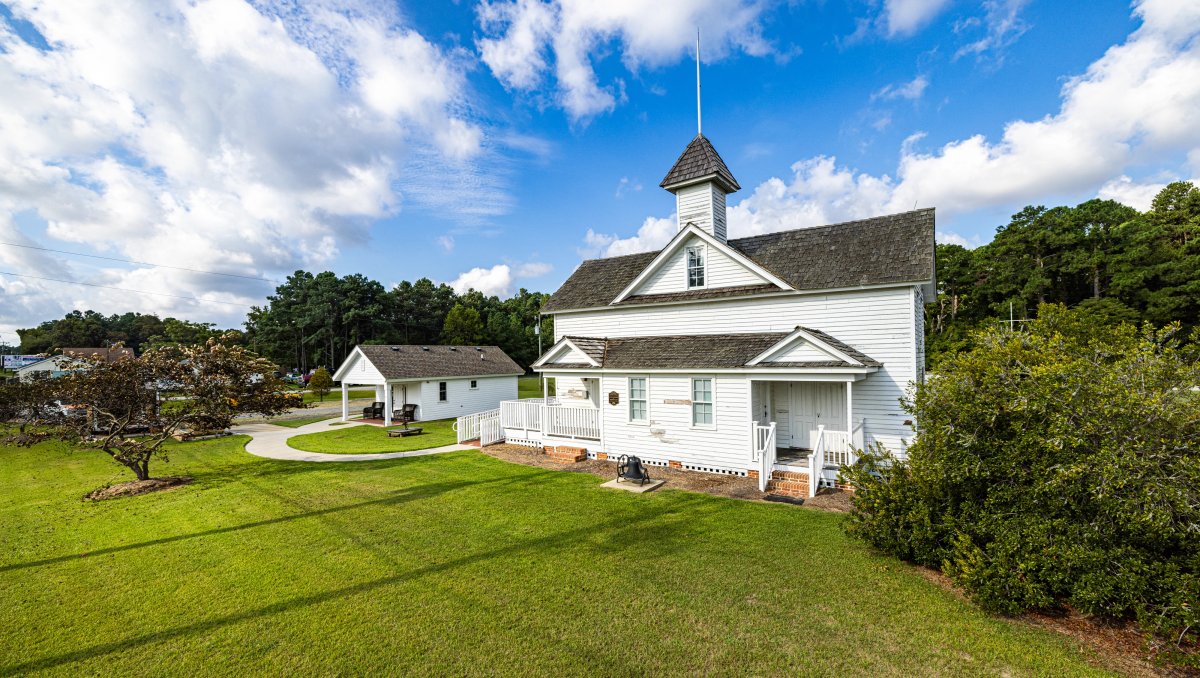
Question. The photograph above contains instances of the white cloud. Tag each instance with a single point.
(905, 17)
(524, 40)
(1134, 105)
(652, 235)
(1002, 25)
(534, 269)
(626, 185)
(223, 136)
(1136, 194)
(446, 242)
(499, 279)
(911, 90)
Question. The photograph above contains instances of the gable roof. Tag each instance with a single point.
(703, 351)
(893, 249)
(434, 362)
(700, 161)
(839, 351)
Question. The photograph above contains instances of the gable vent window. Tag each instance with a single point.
(695, 267)
(442, 391)
(474, 384)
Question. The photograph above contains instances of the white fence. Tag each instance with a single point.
(816, 462)
(841, 447)
(470, 427)
(764, 453)
(535, 416)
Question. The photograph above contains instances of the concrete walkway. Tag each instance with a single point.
(270, 441)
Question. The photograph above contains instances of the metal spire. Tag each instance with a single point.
(699, 130)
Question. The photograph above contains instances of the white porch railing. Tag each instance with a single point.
(470, 426)
(841, 447)
(535, 416)
(816, 461)
(764, 453)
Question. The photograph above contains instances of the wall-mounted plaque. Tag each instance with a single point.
(614, 398)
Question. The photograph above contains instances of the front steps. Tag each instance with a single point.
(792, 484)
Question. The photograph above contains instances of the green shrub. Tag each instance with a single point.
(1055, 465)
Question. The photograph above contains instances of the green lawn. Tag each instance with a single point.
(297, 423)
(531, 387)
(456, 564)
(335, 396)
(373, 439)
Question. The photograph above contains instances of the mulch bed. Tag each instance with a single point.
(734, 487)
(136, 487)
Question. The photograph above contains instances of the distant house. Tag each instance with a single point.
(442, 381)
(70, 360)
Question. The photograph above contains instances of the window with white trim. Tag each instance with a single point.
(695, 266)
(639, 403)
(702, 402)
(442, 391)
(474, 384)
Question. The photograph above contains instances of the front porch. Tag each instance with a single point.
(808, 431)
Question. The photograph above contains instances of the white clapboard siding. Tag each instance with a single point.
(669, 434)
(461, 399)
(721, 270)
(878, 322)
(801, 351)
(362, 372)
(703, 205)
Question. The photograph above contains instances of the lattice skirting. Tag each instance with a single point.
(710, 469)
(523, 442)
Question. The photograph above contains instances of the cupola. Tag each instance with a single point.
(700, 181)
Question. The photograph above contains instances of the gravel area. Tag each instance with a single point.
(735, 487)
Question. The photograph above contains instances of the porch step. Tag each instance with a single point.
(788, 484)
(566, 455)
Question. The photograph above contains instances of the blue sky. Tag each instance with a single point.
(495, 144)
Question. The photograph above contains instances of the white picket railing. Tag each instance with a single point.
(841, 447)
(764, 453)
(469, 427)
(572, 422)
(533, 416)
(490, 431)
(816, 462)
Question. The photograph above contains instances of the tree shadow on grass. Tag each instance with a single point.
(623, 532)
(394, 498)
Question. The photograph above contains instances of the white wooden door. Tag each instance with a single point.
(817, 404)
(781, 397)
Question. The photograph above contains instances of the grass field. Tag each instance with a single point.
(456, 564)
(374, 439)
(531, 387)
(297, 423)
(335, 396)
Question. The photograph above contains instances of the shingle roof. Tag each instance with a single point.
(888, 249)
(433, 362)
(704, 351)
(594, 348)
(842, 346)
(598, 281)
(714, 293)
(700, 160)
(897, 248)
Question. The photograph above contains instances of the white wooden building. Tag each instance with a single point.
(442, 381)
(784, 351)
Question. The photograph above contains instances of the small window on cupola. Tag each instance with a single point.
(695, 266)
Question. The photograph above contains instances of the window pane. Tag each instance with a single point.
(637, 410)
(702, 413)
(637, 389)
(702, 390)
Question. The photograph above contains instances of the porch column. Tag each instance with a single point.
(850, 411)
(387, 404)
(345, 402)
(545, 391)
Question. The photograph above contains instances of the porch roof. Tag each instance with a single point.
(703, 351)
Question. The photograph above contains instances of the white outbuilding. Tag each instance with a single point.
(440, 381)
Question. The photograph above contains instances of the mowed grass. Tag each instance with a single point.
(456, 564)
(531, 387)
(297, 423)
(335, 395)
(374, 439)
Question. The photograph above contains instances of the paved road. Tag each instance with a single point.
(270, 441)
(332, 408)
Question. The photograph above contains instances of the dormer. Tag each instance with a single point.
(700, 181)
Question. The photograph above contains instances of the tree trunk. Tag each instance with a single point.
(1096, 282)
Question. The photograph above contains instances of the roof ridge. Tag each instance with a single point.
(850, 222)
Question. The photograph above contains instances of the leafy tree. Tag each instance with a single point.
(320, 383)
(114, 406)
(1058, 464)
(463, 326)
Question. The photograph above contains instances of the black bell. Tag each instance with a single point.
(632, 468)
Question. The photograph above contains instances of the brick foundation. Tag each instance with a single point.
(674, 464)
(602, 456)
(752, 474)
